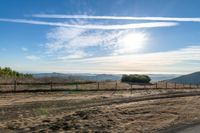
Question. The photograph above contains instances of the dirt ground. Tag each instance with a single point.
(73, 111)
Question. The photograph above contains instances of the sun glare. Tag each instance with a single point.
(132, 42)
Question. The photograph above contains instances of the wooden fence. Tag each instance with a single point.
(89, 86)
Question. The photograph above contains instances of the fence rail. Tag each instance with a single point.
(45, 83)
(90, 86)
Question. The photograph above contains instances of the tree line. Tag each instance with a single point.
(135, 78)
(8, 72)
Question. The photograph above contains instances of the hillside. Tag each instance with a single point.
(9, 73)
(193, 78)
(98, 77)
(161, 77)
(90, 77)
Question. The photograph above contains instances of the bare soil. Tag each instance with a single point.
(145, 111)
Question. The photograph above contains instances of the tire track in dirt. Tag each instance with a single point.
(10, 111)
(69, 121)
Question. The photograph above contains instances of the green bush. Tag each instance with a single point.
(135, 78)
(8, 72)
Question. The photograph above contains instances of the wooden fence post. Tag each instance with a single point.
(175, 85)
(15, 85)
(116, 85)
(76, 86)
(131, 88)
(166, 85)
(156, 85)
(51, 85)
(97, 85)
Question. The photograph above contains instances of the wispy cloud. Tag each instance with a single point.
(173, 61)
(32, 57)
(24, 49)
(118, 17)
(66, 43)
(93, 26)
(97, 47)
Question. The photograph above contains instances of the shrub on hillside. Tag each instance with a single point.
(135, 78)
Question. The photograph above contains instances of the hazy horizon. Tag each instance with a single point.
(96, 73)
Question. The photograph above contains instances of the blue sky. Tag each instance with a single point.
(100, 36)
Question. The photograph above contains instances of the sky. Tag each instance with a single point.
(100, 36)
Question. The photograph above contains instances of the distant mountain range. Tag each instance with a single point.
(193, 78)
(100, 77)
(90, 77)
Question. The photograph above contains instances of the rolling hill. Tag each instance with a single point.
(99, 77)
(90, 77)
(193, 78)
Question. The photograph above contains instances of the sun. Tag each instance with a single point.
(132, 42)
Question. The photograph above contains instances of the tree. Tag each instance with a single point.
(8, 72)
(135, 78)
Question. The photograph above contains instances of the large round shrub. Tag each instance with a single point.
(135, 78)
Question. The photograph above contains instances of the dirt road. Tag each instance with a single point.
(100, 112)
(192, 129)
